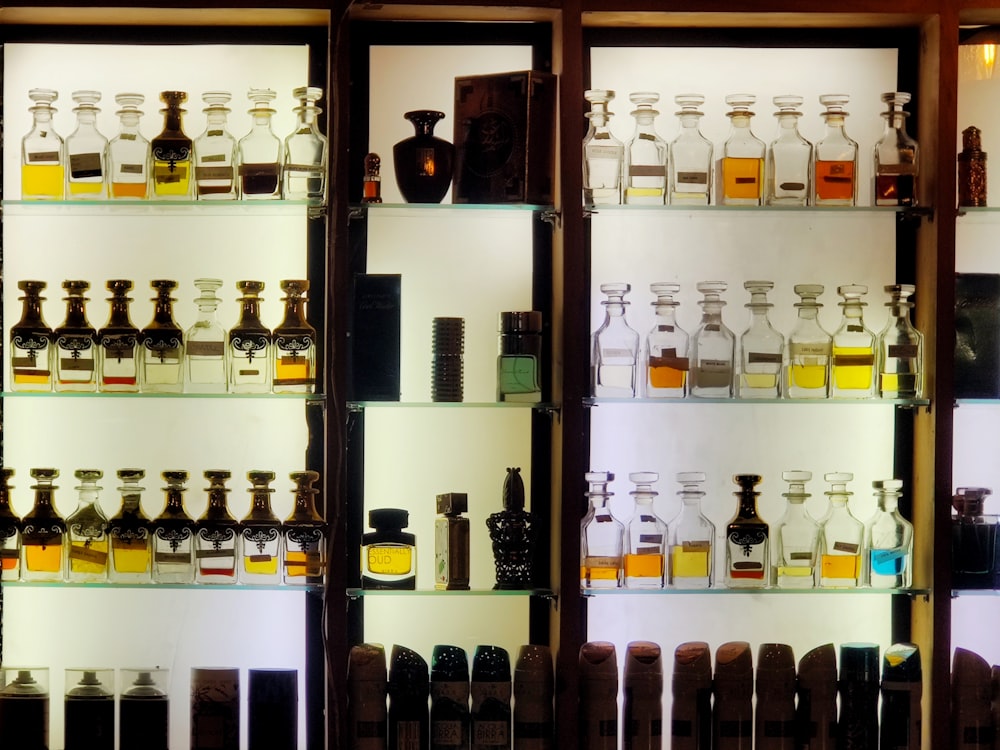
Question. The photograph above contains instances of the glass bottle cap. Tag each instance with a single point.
(260, 480)
(218, 476)
(119, 287)
(129, 101)
(44, 475)
(527, 321)
(174, 477)
(29, 285)
(643, 481)
(787, 104)
(899, 293)
(691, 482)
(173, 100)
(852, 293)
(217, 100)
(598, 95)
(896, 98)
(970, 500)
(388, 518)
(889, 485)
(747, 481)
(644, 98)
(163, 285)
(207, 287)
(294, 287)
(838, 482)
(7, 473)
(250, 288)
(43, 97)
(88, 475)
(834, 103)
(75, 287)
(808, 294)
(740, 103)
(598, 481)
(712, 287)
(261, 99)
(131, 475)
(307, 95)
(665, 291)
(689, 103)
(758, 293)
(796, 484)
(86, 99)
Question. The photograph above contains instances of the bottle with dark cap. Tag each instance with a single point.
(774, 721)
(901, 692)
(409, 722)
(857, 727)
(816, 711)
(449, 699)
(490, 689)
(732, 712)
(691, 710)
(598, 696)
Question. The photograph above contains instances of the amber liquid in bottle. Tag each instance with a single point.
(835, 180)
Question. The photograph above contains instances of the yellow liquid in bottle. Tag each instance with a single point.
(299, 564)
(599, 569)
(808, 376)
(88, 557)
(666, 377)
(42, 180)
(85, 188)
(690, 563)
(794, 571)
(851, 376)
(43, 558)
(291, 368)
(22, 378)
(840, 566)
(130, 558)
(637, 192)
(171, 180)
(260, 566)
(742, 177)
(760, 379)
(644, 566)
(128, 189)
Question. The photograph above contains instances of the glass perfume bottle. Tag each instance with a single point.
(645, 169)
(215, 151)
(602, 537)
(742, 156)
(162, 341)
(43, 532)
(603, 154)
(973, 539)
(87, 527)
(130, 533)
(615, 347)
(809, 348)
(31, 342)
(897, 156)
(900, 348)
(371, 185)
(259, 151)
(691, 537)
(306, 150)
(761, 347)
(796, 537)
(388, 554)
(513, 534)
(713, 346)
(888, 540)
(690, 155)
(451, 542)
(853, 347)
(260, 533)
(666, 347)
(173, 534)
(304, 534)
(248, 353)
(216, 539)
(205, 343)
(294, 343)
(76, 350)
(748, 556)
(836, 157)
(118, 340)
(10, 532)
(841, 537)
(129, 152)
(42, 165)
(789, 157)
(86, 151)
(645, 537)
(172, 150)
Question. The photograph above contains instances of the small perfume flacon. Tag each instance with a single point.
(789, 157)
(691, 537)
(645, 537)
(796, 537)
(87, 548)
(809, 348)
(614, 348)
(666, 346)
(215, 151)
(713, 346)
(216, 543)
(43, 532)
(10, 532)
(371, 187)
(602, 537)
(513, 534)
(853, 347)
(972, 169)
(42, 157)
(294, 343)
(973, 539)
(900, 348)
(306, 148)
(841, 537)
(173, 534)
(161, 368)
(118, 343)
(761, 347)
(603, 154)
(689, 158)
(259, 152)
(519, 356)
(747, 539)
(304, 534)
(130, 533)
(451, 542)
(128, 152)
(89, 709)
(742, 156)
(173, 154)
(86, 151)
(889, 540)
(897, 156)
(645, 166)
(836, 157)
(205, 343)
(248, 355)
(31, 342)
(260, 533)
(389, 554)
(76, 342)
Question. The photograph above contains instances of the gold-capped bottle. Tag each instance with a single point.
(76, 343)
(260, 533)
(294, 343)
(173, 152)
(173, 534)
(249, 344)
(161, 369)
(216, 542)
(31, 342)
(130, 533)
(118, 342)
(43, 532)
(304, 533)
(748, 556)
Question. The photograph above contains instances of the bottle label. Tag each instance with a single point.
(904, 168)
(82, 166)
(172, 558)
(649, 539)
(809, 350)
(602, 561)
(883, 556)
(714, 365)
(390, 561)
(43, 156)
(692, 178)
(764, 358)
(131, 168)
(611, 353)
(87, 554)
(853, 360)
(482, 690)
(848, 547)
(493, 733)
(800, 556)
(453, 690)
(647, 170)
(126, 136)
(903, 351)
(447, 733)
(665, 329)
(76, 364)
(203, 174)
(205, 348)
(205, 554)
(408, 735)
(118, 346)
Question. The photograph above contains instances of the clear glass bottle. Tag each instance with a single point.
(690, 155)
(615, 348)
(130, 533)
(645, 537)
(215, 151)
(172, 150)
(691, 537)
(87, 531)
(388, 554)
(216, 539)
(897, 156)
(294, 343)
(249, 351)
(666, 361)
(748, 556)
(888, 540)
(304, 534)
(259, 151)
(86, 151)
(306, 150)
(205, 343)
(31, 342)
(853, 347)
(900, 348)
(10, 532)
(43, 532)
(973, 540)
(645, 171)
(835, 167)
(129, 152)
(118, 343)
(742, 156)
(260, 533)
(796, 537)
(42, 157)
(713, 346)
(809, 348)
(761, 347)
(173, 534)
(161, 356)
(603, 154)
(789, 157)
(75, 350)
(841, 537)
(602, 537)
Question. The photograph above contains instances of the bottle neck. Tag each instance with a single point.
(131, 503)
(748, 505)
(666, 314)
(207, 311)
(31, 310)
(129, 123)
(175, 503)
(163, 313)
(249, 313)
(294, 313)
(808, 312)
(76, 315)
(119, 316)
(853, 311)
(43, 501)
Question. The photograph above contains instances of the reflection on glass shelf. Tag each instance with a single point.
(743, 592)
(103, 394)
(974, 592)
(157, 586)
(153, 207)
(355, 593)
(361, 405)
(978, 401)
(402, 209)
(687, 208)
(757, 401)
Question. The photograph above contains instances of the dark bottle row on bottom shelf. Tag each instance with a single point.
(144, 709)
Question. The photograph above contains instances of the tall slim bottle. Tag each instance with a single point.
(666, 360)
(534, 687)
(774, 717)
(602, 537)
(901, 692)
(173, 151)
(853, 347)
(603, 154)
(897, 156)
(747, 539)
(86, 151)
(161, 364)
(43, 532)
(732, 710)
(642, 709)
(449, 699)
(761, 347)
(31, 342)
(809, 348)
(742, 156)
(598, 696)
(118, 343)
(173, 534)
(900, 348)
(712, 350)
(796, 537)
(306, 150)
(816, 710)
(645, 537)
(259, 152)
(130, 532)
(367, 685)
(76, 342)
(409, 689)
(789, 157)
(645, 167)
(689, 157)
(215, 151)
(129, 152)
(614, 348)
(888, 540)
(691, 709)
(490, 689)
(87, 527)
(42, 157)
(216, 542)
(857, 726)
(836, 157)
(691, 537)
(841, 537)
(10, 532)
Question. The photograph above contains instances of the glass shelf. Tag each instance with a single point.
(722, 591)
(403, 209)
(978, 401)
(955, 593)
(362, 405)
(356, 593)
(79, 208)
(159, 586)
(102, 394)
(696, 208)
(758, 401)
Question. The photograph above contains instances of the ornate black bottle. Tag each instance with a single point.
(513, 533)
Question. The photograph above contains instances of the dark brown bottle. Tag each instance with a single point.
(118, 341)
(173, 155)
(423, 162)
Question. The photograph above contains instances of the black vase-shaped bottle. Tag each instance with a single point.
(423, 162)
